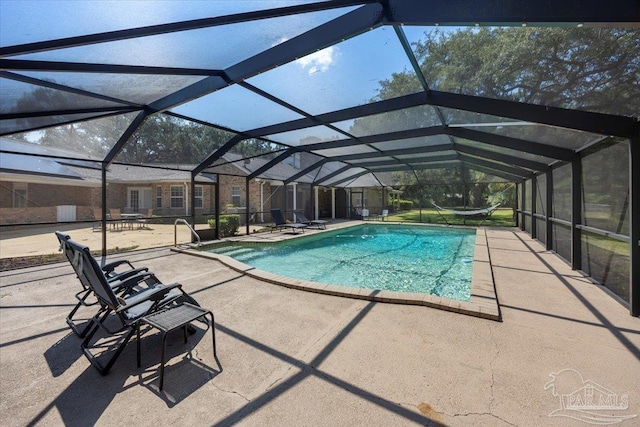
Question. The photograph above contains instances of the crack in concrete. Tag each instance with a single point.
(469, 414)
(231, 392)
(491, 365)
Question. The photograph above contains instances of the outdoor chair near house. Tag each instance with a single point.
(280, 223)
(119, 315)
(319, 223)
(117, 277)
(383, 214)
(115, 217)
(97, 219)
(365, 214)
(143, 221)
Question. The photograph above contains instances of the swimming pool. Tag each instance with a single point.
(432, 260)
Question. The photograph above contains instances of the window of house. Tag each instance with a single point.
(197, 193)
(235, 196)
(159, 196)
(177, 196)
(19, 195)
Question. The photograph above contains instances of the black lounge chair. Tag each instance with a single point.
(280, 223)
(117, 280)
(127, 309)
(320, 223)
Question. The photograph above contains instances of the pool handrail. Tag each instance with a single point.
(175, 232)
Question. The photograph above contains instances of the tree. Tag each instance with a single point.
(581, 68)
(595, 69)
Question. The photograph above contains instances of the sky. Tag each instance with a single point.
(340, 76)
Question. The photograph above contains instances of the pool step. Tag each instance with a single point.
(233, 251)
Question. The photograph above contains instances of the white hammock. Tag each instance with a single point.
(468, 213)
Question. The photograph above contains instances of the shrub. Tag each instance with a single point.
(406, 205)
(228, 225)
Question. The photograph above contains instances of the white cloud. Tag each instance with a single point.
(319, 61)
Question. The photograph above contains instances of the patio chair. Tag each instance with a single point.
(144, 221)
(115, 217)
(320, 223)
(383, 214)
(365, 214)
(118, 280)
(97, 219)
(123, 310)
(280, 223)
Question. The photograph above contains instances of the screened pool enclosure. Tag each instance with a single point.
(193, 109)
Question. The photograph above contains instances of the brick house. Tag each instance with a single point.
(49, 189)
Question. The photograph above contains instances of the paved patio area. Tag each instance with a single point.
(291, 357)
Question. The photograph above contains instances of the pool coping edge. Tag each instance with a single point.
(483, 302)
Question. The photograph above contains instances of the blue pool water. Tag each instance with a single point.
(432, 260)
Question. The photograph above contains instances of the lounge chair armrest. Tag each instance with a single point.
(131, 281)
(108, 268)
(126, 274)
(156, 293)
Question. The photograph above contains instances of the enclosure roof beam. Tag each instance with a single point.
(271, 163)
(490, 171)
(306, 170)
(504, 158)
(373, 139)
(389, 153)
(350, 178)
(408, 162)
(173, 27)
(497, 166)
(327, 34)
(217, 154)
(56, 86)
(84, 67)
(604, 124)
(445, 164)
(331, 175)
(124, 138)
(614, 13)
(513, 143)
(587, 121)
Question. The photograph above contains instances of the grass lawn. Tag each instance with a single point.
(500, 218)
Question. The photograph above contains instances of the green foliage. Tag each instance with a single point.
(406, 205)
(585, 68)
(503, 193)
(500, 218)
(228, 225)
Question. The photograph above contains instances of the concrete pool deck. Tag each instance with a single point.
(298, 358)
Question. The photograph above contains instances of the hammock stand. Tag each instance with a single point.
(464, 214)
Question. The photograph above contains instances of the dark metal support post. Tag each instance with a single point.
(193, 200)
(534, 199)
(634, 226)
(576, 213)
(518, 208)
(246, 211)
(523, 197)
(216, 197)
(549, 210)
(104, 210)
